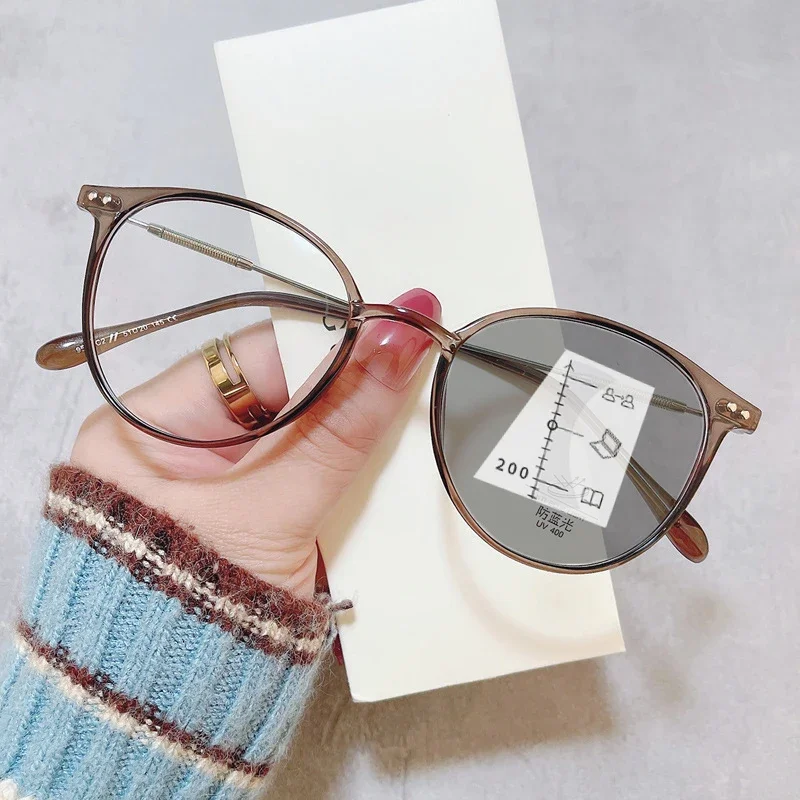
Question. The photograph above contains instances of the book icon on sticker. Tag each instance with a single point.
(607, 446)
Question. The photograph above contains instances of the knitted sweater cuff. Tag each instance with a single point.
(145, 664)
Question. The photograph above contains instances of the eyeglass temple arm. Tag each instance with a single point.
(65, 352)
(68, 351)
(229, 257)
(534, 370)
(685, 534)
(520, 366)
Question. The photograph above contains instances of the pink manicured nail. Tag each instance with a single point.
(392, 351)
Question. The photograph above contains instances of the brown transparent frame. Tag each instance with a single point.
(723, 410)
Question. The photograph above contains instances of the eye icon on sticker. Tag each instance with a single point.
(572, 440)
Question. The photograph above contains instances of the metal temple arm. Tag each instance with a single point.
(67, 351)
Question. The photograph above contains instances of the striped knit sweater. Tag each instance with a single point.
(144, 664)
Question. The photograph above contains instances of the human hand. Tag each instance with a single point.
(261, 505)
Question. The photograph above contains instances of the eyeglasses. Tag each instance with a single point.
(566, 441)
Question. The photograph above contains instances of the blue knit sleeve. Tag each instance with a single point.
(145, 665)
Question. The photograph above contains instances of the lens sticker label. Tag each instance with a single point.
(570, 445)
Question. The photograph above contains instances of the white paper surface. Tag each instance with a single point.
(395, 136)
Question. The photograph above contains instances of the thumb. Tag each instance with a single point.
(315, 458)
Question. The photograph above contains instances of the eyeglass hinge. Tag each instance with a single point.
(734, 412)
(93, 200)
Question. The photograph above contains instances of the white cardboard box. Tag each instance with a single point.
(395, 136)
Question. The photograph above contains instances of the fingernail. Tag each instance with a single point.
(392, 351)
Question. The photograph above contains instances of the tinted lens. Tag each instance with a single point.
(161, 273)
(568, 442)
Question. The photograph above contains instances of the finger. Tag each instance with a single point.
(317, 457)
(185, 401)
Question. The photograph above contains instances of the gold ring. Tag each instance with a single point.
(237, 395)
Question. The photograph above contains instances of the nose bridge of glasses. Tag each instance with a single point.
(447, 340)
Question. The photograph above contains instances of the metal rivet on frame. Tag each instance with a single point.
(730, 409)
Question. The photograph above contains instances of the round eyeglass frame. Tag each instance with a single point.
(723, 410)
